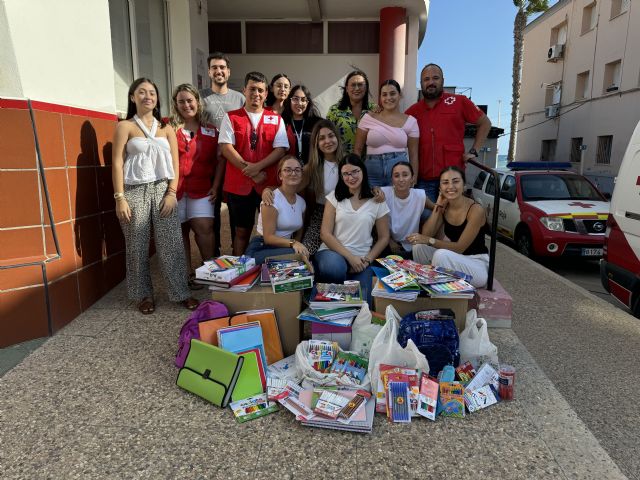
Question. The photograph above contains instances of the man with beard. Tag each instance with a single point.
(218, 100)
(441, 118)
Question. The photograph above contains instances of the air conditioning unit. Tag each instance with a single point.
(612, 88)
(555, 52)
(552, 111)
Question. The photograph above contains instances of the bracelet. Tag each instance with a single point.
(118, 195)
(170, 194)
(173, 190)
(291, 243)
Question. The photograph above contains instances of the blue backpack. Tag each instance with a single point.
(435, 334)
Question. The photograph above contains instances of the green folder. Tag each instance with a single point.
(210, 372)
(249, 382)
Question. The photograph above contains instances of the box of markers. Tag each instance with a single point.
(289, 273)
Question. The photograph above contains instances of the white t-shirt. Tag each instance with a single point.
(352, 228)
(226, 134)
(290, 217)
(330, 172)
(405, 213)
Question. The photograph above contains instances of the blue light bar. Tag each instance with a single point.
(539, 165)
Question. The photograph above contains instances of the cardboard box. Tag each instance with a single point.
(295, 283)
(458, 305)
(331, 333)
(286, 305)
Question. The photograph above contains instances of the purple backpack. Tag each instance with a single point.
(205, 311)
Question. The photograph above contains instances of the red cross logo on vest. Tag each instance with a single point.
(580, 204)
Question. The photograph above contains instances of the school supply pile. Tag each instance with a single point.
(228, 271)
(289, 275)
(339, 317)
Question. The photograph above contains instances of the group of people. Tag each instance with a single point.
(368, 180)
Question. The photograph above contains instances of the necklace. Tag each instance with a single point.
(298, 135)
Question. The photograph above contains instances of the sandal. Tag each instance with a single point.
(190, 303)
(146, 306)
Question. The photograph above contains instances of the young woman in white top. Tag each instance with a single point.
(405, 204)
(145, 178)
(390, 136)
(349, 216)
(280, 223)
(320, 177)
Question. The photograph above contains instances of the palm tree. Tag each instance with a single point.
(525, 9)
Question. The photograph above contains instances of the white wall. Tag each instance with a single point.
(62, 52)
(199, 41)
(322, 74)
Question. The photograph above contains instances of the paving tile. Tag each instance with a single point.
(193, 451)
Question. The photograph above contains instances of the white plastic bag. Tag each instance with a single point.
(386, 349)
(363, 332)
(311, 376)
(475, 346)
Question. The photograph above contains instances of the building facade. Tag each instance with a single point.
(580, 95)
(65, 68)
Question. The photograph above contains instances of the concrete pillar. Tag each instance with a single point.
(393, 34)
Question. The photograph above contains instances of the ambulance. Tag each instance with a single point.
(620, 265)
(546, 209)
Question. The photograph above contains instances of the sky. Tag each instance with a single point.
(472, 40)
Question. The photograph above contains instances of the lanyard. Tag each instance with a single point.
(298, 136)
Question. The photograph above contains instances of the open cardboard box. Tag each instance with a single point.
(458, 305)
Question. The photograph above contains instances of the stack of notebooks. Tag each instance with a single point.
(405, 279)
(229, 273)
(334, 304)
(336, 409)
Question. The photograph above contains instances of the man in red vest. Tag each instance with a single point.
(252, 141)
(442, 118)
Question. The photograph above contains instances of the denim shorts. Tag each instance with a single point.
(379, 167)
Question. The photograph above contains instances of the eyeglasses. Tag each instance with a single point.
(352, 173)
(353, 86)
(299, 100)
(292, 171)
(283, 86)
(254, 139)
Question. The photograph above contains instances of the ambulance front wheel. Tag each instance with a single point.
(524, 244)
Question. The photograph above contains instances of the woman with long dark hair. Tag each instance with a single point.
(390, 136)
(300, 115)
(350, 214)
(279, 89)
(352, 106)
(454, 235)
(145, 180)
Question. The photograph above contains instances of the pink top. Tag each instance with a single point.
(383, 138)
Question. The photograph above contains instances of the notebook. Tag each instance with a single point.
(249, 381)
(241, 338)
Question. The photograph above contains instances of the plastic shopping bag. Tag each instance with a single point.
(475, 346)
(386, 349)
(310, 376)
(363, 332)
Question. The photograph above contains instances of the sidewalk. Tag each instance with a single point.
(99, 400)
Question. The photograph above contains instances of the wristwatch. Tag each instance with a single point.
(432, 241)
(473, 152)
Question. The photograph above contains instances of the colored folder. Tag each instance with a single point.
(249, 382)
(241, 338)
(210, 372)
(270, 332)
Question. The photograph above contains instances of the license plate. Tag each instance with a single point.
(591, 252)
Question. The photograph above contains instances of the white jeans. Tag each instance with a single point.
(475, 265)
